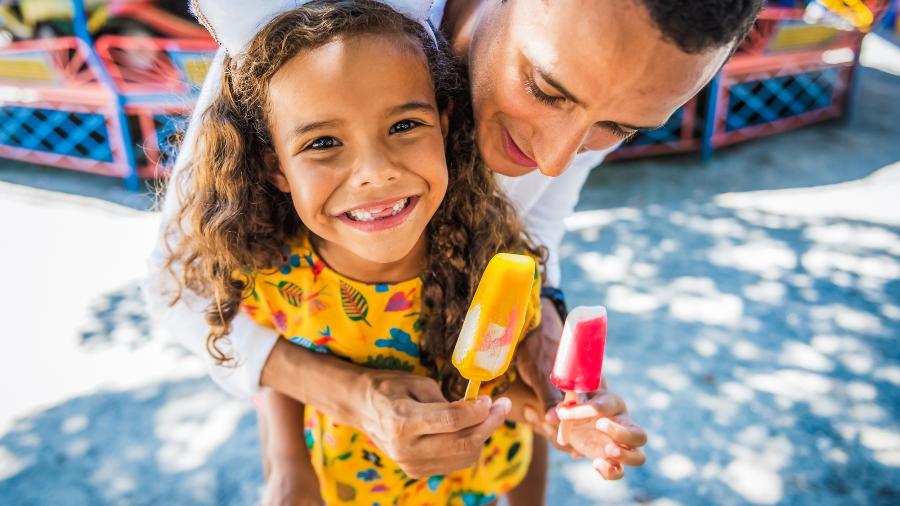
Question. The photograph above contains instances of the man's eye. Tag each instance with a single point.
(404, 126)
(625, 135)
(324, 143)
(532, 88)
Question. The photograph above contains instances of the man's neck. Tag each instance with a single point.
(459, 22)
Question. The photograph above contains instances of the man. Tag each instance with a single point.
(556, 84)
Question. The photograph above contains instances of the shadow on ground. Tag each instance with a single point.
(172, 443)
(758, 348)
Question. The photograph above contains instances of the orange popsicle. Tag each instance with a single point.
(496, 319)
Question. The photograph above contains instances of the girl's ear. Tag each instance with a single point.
(445, 120)
(276, 174)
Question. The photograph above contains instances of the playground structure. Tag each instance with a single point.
(799, 65)
(110, 105)
(112, 102)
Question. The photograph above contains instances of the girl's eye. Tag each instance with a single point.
(324, 143)
(404, 126)
(532, 88)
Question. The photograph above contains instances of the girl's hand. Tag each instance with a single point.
(601, 430)
(291, 485)
(407, 417)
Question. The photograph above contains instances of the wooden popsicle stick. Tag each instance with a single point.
(472, 390)
(562, 436)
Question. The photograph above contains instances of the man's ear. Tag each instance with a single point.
(276, 174)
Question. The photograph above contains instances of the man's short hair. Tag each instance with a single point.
(698, 25)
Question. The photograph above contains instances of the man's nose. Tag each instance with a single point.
(560, 148)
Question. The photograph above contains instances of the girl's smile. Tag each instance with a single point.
(360, 149)
(377, 216)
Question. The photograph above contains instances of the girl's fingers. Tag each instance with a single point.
(624, 456)
(624, 432)
(608, 470)
(603, 405)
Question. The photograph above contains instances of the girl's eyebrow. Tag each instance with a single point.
(316, 125)
(412, 106)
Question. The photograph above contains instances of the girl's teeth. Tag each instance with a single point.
(363, 215)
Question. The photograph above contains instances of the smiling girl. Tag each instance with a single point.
(336, 196)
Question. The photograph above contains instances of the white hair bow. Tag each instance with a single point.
(234, 23)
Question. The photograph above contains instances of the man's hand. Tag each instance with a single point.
(407, 417)
(404, 414)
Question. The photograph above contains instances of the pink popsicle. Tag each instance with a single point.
(579, 360)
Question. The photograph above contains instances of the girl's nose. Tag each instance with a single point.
(376, 168)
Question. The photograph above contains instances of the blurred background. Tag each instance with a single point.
(748, 252)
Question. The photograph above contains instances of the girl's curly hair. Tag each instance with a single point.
(233, 219)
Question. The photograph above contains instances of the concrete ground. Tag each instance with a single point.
(754, 316)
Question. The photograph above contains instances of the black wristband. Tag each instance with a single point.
(558, 298)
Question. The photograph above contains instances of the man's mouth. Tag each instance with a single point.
(515, 153)
(380, 211)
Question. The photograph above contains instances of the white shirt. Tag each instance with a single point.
(543, 203)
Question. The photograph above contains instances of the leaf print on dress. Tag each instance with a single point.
(290, 292)
(355, 305)
(400, 301)
(279, 319)
(399, 341)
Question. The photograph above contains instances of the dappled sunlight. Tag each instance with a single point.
(767, 292)
(191, 428)
(670, 377)
(792, 384)
(677, 466)
(823, 262)
(10, 464)
(627, 300)
(768, 258)
(758, 334)
(714, 309)
(181, 439)
(855, 235)
(885, 443)
(804, 356)
(599, 218)
(754, 481)
(746, 350)
(589, 485)
(705, 347)
(890, 374)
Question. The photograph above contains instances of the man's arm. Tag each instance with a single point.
(184, 322)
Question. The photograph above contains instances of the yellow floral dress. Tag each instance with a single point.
(377, 326)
